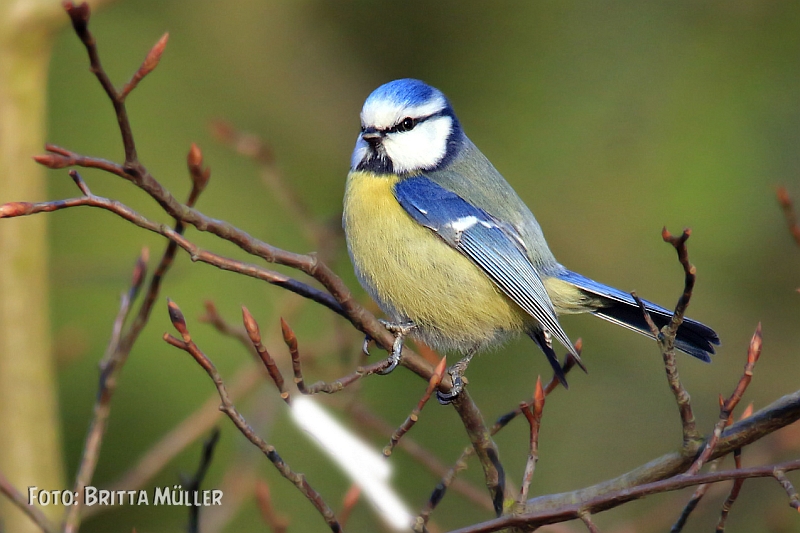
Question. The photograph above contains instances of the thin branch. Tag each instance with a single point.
(178, 439)
(34, 513)
(14, 209)
(351, 498)
(254, 332)
(148, 65)
(666, 341)
(321, 386)
(533, 413)
(734, 494)
(186, 344)
(586, 518)
(362, 415)
(691, 505)
(433, 384)
(485, 448)
(574, 510)
(79, 15)
(461, 463)
(192, 485)
(779, 473)
(780, 413)
(727, 406)
(788, 210)
(276, 521)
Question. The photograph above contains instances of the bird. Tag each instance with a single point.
(450, 252)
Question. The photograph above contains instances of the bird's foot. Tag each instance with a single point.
(400, 330)
(457, 377)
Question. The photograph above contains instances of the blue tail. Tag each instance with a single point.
(619, 307)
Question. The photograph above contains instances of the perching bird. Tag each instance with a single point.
(449, 251)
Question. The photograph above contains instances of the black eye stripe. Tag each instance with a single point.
(416, 121)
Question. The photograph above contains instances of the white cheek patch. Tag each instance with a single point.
(422, 147)
(381, 116)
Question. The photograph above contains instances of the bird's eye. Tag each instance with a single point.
(407, 124)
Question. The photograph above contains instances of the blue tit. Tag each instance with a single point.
(451, 253)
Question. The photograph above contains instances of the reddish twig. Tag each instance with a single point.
(276, 521)
(321, 386)
(254, 332)
(533, 413)
(433, 383)
(788, 210)
(148, 65)
(79, 15)
(734, 494)
(186, 344)
(349, 502)
(727, 407)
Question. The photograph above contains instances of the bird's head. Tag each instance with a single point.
(407, 127)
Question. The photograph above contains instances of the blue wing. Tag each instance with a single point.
(494, 247)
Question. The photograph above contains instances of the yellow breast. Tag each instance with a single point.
(414, 275)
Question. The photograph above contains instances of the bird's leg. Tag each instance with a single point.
(456, 375)
(400, 331)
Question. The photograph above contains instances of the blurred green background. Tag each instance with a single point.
(611, 120)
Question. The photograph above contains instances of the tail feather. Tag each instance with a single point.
(694, 338)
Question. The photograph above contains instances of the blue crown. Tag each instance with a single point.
(404, 92)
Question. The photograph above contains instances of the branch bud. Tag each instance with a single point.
(53, 161)
(177, 319)
(15, 209)
(251, 326)
(288, 335)
(199, 175)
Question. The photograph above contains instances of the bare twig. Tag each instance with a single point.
(362, 415)
(276, 521)
(666, 341)
(192, 485)
(349, 502)
(780, 413)
(734, 494)
(433, 383)
(574, 509)
(186, 432)
(148, 65)
(254, 332)
(691, 505)
(321, 386)
(79, 15)
(533, 413)
(788, 210)
(779, 473)
(586, 518)
(461, 463)
(19, 499)
(186, 344)
(727, 407)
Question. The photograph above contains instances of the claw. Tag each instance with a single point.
(400, 330)
(365, 347)
(446, 398)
